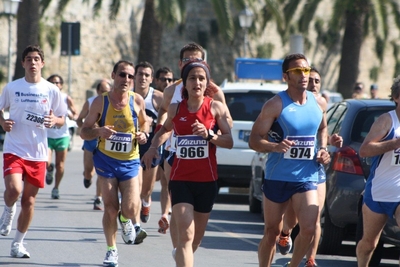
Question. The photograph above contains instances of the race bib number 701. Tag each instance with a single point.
(119, 142)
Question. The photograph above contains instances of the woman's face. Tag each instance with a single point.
(196, 82)
(56, 80)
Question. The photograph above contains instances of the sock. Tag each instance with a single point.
(112, 248)
(19, 237)
(9, 209)
(136, 224)
(145, 204)
(283, 234)
(123, 219)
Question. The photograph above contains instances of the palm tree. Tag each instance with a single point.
(357, 18)
(27, 31)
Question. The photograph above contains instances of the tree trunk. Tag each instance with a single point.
(150, 36)
(351, 48)
(27, 31)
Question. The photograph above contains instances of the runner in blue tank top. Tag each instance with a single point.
(288, 128)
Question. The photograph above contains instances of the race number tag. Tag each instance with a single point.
(191, 147)
(303, 149)
(395, 157)
(33, 119)
(119, 142)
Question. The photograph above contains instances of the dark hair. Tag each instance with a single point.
(314, 69)
(395, 89)
(54, 76)
(185, 73)
(163, 70)
(99, 84)
(192, 47)
(359, 85)
(125, 62)
(290, 58)
(32, 48)
(144, 64)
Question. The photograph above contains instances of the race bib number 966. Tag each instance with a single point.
(303, 149)
(191, 147)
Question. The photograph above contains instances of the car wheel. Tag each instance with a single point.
(331, 236)
(378, 252)
(254, 203)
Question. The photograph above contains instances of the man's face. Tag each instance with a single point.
(165, 80)
(297, 75)
(33, 63)
(188, 56)
(123, 78)
(314, 82)
(143, 78)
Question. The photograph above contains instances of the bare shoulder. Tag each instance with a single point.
(170, 90)
(322, 102)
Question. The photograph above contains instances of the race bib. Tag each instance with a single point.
(395, 157)
(303, 149)
(119, 142)
(33, 119)
(191, 147)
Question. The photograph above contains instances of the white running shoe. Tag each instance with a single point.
(19, 251)
(111, 259)
(128, 232)
(6, 220)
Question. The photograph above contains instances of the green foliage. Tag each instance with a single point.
(380, 48)
(265, 50)
(374, 73)
(2, 76)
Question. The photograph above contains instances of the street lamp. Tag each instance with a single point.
(245, 21)
(10, 9)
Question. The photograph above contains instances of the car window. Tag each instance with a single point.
(364, 121)
(246, 106)
(335, 117)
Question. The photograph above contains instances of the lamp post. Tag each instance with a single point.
(10, 9)
(245, 21)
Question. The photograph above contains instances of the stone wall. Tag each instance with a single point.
(104, 42)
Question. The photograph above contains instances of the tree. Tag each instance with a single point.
(27, 31)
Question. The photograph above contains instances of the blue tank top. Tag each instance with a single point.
(300, 124)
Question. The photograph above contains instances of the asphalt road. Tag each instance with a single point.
(68, 232)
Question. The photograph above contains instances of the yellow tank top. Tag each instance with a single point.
(123, 144)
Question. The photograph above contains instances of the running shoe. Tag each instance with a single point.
(174, 253)
(145, 214)
(310, 263)
(284, 244)
(98, 204)
(111, 259)
(19, 251)
(87, 183)
(55, 194)
(163, 225)
(128, 233)
(140, 235)
(50, 174)
(7, 219)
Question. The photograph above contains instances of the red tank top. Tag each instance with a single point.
(195, 158)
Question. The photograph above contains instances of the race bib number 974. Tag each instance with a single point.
(191, 147)
(303, 149)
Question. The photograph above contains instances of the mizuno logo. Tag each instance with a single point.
(292, 109)
(182, 119)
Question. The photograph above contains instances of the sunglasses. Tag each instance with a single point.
(56, 83)
(187, 59)
(300, 70)
(124, 75)
(165, 79)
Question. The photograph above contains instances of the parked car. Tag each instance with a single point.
(346, 174)
(244, 101)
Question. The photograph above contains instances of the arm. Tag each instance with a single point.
(72, 108)
(219, 95)
(84, 112)
(372, 144)
(269, 113)
(89, 130)
(221, 115)
(144, 127)
(167, 97)
(322, 135)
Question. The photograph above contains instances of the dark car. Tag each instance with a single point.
(346, 174)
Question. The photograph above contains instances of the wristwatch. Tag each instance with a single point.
(323, 148)
(146, 134)
(210, 135)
